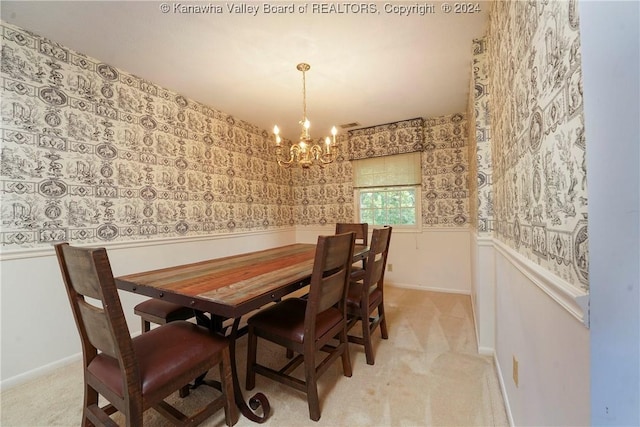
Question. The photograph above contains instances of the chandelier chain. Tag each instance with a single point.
(304, 96)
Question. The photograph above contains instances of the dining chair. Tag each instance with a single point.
(362, 238)
(306, 326)
(366, 296)
(140, 373)
(161, 312)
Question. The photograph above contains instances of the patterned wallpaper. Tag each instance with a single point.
(473, 161)
(406, 136)
(91, 153)
(324, 195)
(481, 189)
(539, 175)
(445, 172)
(443, 142)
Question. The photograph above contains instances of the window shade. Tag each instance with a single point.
(387, 171)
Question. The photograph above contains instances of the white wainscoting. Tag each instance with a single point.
(483, 291)
(526, 312)
(550, 341)
(571, 298)
(433, 259)
(38, 330)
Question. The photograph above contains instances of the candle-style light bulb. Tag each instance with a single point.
(276, 132)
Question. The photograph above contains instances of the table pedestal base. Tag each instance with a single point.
(258, 400)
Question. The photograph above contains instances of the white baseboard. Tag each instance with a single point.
(487, 351)
(503, 389)
(38, 372)
(44, 370)
(427, 288)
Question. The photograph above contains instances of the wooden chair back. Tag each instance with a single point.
(330, 277)
(366, 296)
(377, 259)
(308, 325)
(361, 230)
(96, 306)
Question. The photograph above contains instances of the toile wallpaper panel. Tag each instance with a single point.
(90, 153)
(480, 189)
(444, 162)
(445, 172)
(406, 136)
(473, 161)
(539, 176)
(324, 195)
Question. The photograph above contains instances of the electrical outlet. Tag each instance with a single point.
(515, 370)
(389, 267)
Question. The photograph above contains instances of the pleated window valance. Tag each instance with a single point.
(387, 171)
(385, 140)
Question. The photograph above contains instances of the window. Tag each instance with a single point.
(387, 190)
(398, 206)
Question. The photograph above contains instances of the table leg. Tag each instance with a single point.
(257, 400)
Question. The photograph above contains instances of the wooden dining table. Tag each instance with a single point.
(229, 288)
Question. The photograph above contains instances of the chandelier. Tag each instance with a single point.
(305, 152)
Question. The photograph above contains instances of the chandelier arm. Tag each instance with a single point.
(281, 160)
(316, 150)
(286, 164)
(327, 158)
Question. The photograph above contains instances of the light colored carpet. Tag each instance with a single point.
(428, 373)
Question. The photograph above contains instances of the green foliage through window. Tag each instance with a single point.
(388, 206)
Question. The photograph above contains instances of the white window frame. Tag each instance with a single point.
(418, 208)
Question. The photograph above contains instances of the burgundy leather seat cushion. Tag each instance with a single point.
(355, 292)
(161, 356)
(164, 310)
(357, 273)
(286, 319)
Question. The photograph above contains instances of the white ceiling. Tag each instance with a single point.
(366, 68)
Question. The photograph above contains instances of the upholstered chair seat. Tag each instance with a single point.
(161, 312)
